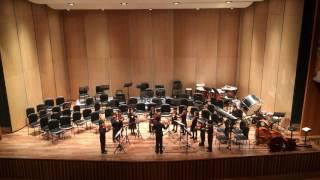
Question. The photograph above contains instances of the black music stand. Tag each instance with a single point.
(126, 137)
(120, 147)
(128, 85)
(138, 134)
(187, 146)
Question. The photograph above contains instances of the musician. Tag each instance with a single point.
(158, 126)
(152, 114)
(210, 135)
(217, 100)
(117, 124)
(183, 117)
(194, 124)
(244, 127)
(202, 135)
(237, 112)
(174, 118)
(102, 132)
(132, 121)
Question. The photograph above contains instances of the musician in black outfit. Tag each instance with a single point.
(202, 134)
(210, 135)
(158, 126)
(174, 118)
(114, 125)
(193, 125)
(152, 114)
(102, 132)
(132, 121)
(183, 117)
(236, 112)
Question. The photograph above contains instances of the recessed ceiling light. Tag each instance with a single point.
(124, 3)
(228, 2)
(176, 3)
(71, 4)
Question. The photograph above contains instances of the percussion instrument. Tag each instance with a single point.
(189, 91)
(224, 113)
(230, 91)
(251, 104)
(263, 123)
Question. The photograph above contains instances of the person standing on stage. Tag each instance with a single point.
(102, 131)
(210, 135)
(194, 124)
(202, 133)
(115, 125)
(174, 119)
(158, 126)
(152, 113)
(183, 117)
(132, 121)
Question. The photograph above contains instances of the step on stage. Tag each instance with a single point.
(78, 157)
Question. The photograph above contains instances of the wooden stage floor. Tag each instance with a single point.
(85, 146)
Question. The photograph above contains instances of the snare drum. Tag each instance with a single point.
(230, 91)
(250, 104)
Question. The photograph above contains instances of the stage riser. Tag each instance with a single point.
(193, 169)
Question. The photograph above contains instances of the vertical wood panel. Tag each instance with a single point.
(12, 65)
(141, 48)
(258, 47)
(44, 51)
(96, 44)
(245, 49)
(58, 53)
(227, 47)
(28, 49)
(207, 45)
(76, 52)
(288, 55)
(184, 52)
(118, 34)
(272, 54)
(162, 44)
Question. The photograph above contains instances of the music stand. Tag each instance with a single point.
(119, 147)
(126, 137)
(138, 131)
(128, 85)
(187, 146)
(181, 124)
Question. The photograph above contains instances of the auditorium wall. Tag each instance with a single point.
(30, 63)
(268, 52)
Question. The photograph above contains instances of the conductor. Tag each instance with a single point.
(158, 126)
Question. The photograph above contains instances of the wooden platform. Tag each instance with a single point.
(83, 150)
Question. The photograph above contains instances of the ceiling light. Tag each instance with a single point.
(228, 2)
(197, 9)
(150, 9)
(176, 3)
(124, 3)
(71, 4)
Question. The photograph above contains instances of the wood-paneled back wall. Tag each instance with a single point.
(159, 46)
(268, 52)
(32, 49)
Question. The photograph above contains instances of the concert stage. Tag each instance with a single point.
(78, 157)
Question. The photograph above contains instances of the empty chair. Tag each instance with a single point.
(123, 108)
(66, 112)
(157, 101)
(121, 97)
(83, 92)
(33, 122)
(95, 118)
(165, 110)
(44, 125)
(59, 100)
(97, 106)
(193, 109)
(54, 128)
(43, 113)
(176, 88)
(40, 107)
(76, 119)
(49, 103)
(175, 102)
(198, 97)
(198, 104)
(76, 108)
(149, 105)
(104, 99)
(141, 107)
(65, 123)
(114, 103)
(181, 108)
(205, 114)
(132, 102)
(184, 102)
(108, 113)
(148, 93)
(66, 105)
(169, 100)
(56, 115)
(29, 110)
(89, 102)
(86, 114)
(160, 92)
(56, 109)
(185, 96)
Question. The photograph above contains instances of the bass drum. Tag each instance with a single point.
(250, 104)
